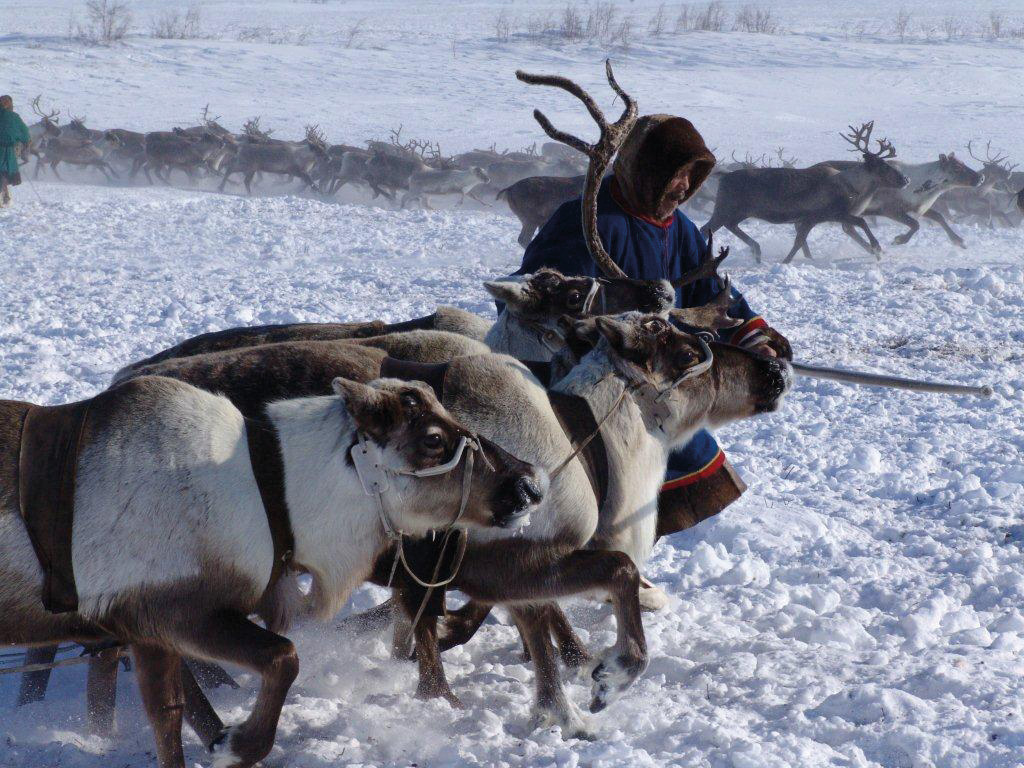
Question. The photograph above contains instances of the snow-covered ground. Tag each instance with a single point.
(859, 606)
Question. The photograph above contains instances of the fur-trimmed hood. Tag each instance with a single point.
(657, 148)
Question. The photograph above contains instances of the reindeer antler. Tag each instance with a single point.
(251, 128)
(861, 140)
(708, 269)
(315, 135)
(600, 152)
(51, 117)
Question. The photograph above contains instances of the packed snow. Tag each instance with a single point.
(859, 606)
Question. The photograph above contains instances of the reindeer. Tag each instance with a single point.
(534, 200)
(295, 159)
(808, 196)
(39, 131)
(74, 151)
(210, 557)
(926, 183)
(178, 150)
(436, 182)
(551, 700)
(989, 200)
(499, 398)
(127, 146)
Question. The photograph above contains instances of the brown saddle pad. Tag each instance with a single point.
(51, 438)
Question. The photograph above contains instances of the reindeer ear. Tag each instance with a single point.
(619, 334)
(507, 291)
(370, 408)
(943, 159)
(584, 330)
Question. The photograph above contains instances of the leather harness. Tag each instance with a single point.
(51, 438)
(51, 442)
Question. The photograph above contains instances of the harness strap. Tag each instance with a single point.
(51, 438)
(584, 432)
(268, 468)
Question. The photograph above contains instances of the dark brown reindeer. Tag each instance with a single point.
(535, 199)
(807, 197)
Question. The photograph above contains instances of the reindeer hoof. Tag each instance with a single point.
(573, 723)
(223, 755)
(614, 673)
(652, 598)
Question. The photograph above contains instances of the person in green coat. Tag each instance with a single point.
(13, 132)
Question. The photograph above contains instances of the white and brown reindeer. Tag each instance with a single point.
(171, 546)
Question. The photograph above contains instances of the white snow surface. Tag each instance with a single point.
(859, 606)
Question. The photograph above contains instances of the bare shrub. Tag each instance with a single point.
(503, 26)
(756, 19)
(953, 27)
(659, 21)
(175, 25)
(601, 21)
(572, 23)
(107, 21)
(352, 34)
(624, 33)
(683, 19)
(901, 24)
(711, 19)
(995, 28)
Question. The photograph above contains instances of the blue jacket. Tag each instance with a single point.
(647, 250)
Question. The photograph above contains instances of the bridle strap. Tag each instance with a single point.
(587, 440)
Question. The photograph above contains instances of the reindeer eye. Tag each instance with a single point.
(411, 401)
(432, 442)
(655, 326)
(574, 300)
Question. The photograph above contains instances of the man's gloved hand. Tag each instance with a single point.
(768, 341)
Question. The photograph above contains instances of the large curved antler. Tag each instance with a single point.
(600, 152)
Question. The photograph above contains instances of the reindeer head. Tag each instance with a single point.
(886, 175)
(681, 382)
(428, 454)
(995, 171)
(481, 174)
(957, 172)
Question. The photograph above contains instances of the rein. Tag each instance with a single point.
(373, 473)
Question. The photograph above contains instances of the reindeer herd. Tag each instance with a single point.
(533, 183)
(209, 475)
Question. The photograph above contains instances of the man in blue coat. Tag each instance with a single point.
(660, 165)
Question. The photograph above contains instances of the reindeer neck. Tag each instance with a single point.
(510, 335)
(338, 533)
(637, 459)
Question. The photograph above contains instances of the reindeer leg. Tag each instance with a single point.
(432, 681)
(460, 625)
(224, 181)
(552, 706)
(157, 671)
(231, 637)
(101, 691)
(33, 684)
(526, 234)
(546, 576)
(911, 223)
(479, 200)
(803, 228)
(750, 242)
(199, 713)
(53, 167)
(939, 219)
(855, 236)
(248, 182)
(574, 653)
